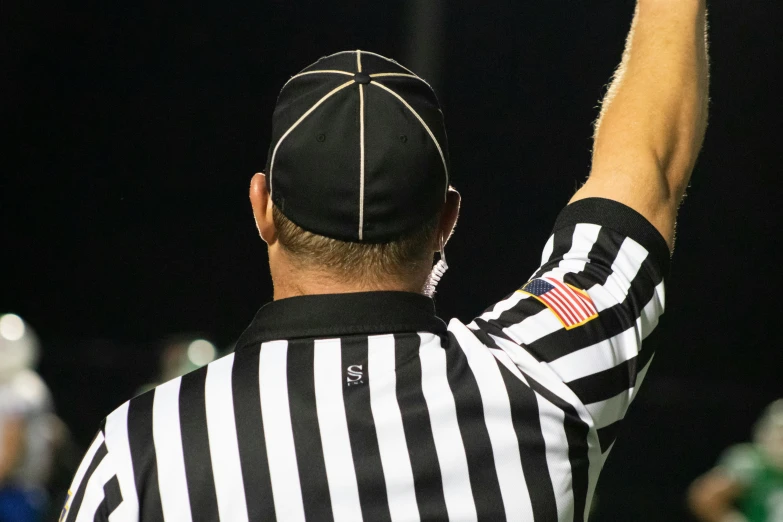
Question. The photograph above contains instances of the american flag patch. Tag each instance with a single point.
(573, 307)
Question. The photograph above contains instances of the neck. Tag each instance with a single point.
(316, 282)
(290, 281)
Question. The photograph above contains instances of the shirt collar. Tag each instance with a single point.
(334, 315)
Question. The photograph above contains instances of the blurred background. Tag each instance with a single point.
(131, 132)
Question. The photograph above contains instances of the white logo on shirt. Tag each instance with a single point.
(354, 375)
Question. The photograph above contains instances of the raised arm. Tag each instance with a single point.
(654, 114)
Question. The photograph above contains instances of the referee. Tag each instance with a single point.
(347, 398)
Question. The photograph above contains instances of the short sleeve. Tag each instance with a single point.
(585, 312)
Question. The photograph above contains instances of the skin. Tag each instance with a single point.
(291, 280)
(13, 446)
(711, 498)
(654, 115)
(647, 138)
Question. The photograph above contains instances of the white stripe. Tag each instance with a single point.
(93, 493)
(599, 357)
(434, 140)
(116, 431)
(445, 430)
(279, 436)
(497, 418)
(85, 464)
(534, 327)
(556, 442)
(548, 249)
(624, 269)
(361, 148)
(223, 445)
(167, 437)
(386, 414)
(584, 237)
(611, 410)
(503, 306)
(297, 122)
(333, 425)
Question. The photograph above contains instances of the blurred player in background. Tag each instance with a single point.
(181, 354)
(28, 428)
(747, 483)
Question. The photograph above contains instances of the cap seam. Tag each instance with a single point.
(361, 148)
(320, 71)
(426, 127)
(296, 124)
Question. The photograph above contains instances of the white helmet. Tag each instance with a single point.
(18, 346)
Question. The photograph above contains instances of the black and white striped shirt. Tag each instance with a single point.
(368, 407)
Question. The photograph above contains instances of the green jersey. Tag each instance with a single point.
(762, 498)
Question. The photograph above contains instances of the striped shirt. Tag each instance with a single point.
(368, 407)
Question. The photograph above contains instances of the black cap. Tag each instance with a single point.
(359, 150)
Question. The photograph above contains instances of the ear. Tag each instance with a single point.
(448, 219)
(262, 205)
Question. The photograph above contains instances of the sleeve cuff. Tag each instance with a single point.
(622, 219)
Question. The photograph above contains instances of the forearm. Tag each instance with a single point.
(657, 102)
(11, 452)
(712, 496)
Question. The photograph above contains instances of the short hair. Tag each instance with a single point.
(352, 261)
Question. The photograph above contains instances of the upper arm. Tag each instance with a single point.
(604, 266)
(630, 178)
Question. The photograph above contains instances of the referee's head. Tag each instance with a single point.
(356, 192)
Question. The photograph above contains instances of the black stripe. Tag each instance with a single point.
(602, 256)
(608, 383)
(416, 422)
(576, 432)
(361, 427)
(304, 423)
(142, 450)
(608, 434)
(78, 495)
(112, 497)
(560, 246)
(532, 448)
(475, 437)
(523, 309)
(195, 446)
(250, 434)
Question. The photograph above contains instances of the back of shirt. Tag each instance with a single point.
(368, 407)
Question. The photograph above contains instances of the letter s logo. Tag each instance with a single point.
(354, 375)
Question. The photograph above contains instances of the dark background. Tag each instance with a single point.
(131, 134)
